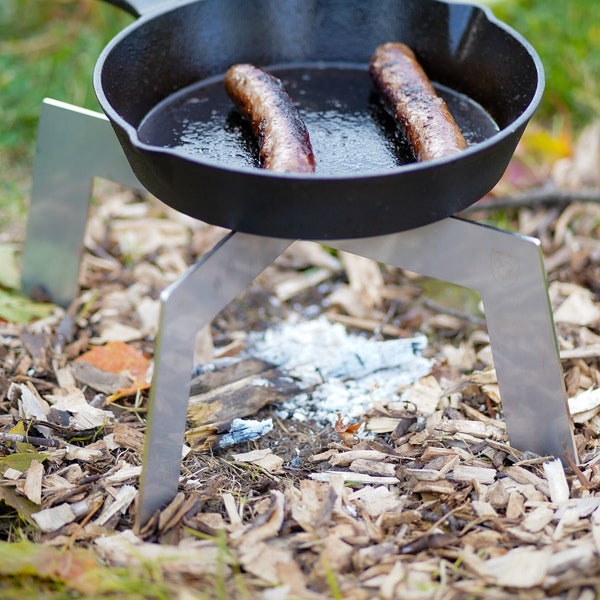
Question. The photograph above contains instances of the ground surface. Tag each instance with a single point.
(426, 499)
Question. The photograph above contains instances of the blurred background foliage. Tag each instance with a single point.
(567, 38)
(48, 49)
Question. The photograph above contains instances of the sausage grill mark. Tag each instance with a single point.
(282, 135)
(429, 125)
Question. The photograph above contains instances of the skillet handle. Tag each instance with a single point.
(138, 8)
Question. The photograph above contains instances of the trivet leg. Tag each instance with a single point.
(186, 306)
(508, 271)
(74, 145)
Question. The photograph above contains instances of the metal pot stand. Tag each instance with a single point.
(75, 145)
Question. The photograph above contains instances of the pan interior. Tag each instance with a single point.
(351, 131)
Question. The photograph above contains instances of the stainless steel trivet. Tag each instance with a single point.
(75, 145)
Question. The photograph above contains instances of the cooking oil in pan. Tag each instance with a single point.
(350, 129)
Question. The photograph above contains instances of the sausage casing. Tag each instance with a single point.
(282, 135)
(429, 125)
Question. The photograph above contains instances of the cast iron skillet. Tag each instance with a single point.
(160, 84)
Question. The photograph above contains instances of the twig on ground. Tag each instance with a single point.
(26, 439)
(544, 196)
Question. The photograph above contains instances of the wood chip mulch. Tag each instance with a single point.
(426, 500)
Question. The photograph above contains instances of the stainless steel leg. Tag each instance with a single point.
(186, 306)
(508, 272)
(74, 145)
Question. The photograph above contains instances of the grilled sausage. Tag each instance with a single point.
(400, 79)
(282, 135)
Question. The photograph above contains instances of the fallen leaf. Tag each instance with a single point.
(19, 429)
(75, 569)
(10, 276)
(83, 415)
(347, 432)
(21, 461)
(26, 508)
(120, 358)
(15, 308)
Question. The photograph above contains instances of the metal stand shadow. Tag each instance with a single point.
(75, 145)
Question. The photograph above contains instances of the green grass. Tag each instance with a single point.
(47, 49)
(567, 37)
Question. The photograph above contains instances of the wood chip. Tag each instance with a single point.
(189, 558)
(343, 459)
(365, 278)
(578, 308)
(232, 510)
(377, 501)
(535, 521)
(262, 458)
(311, 506)
(209, 523)
(52, 519)
(585, 405)
(336, 555)
(211, 410)
(128, 437)
(476, 429)
(373, 467)
(425, 395)
(124, 473)
(31, 405)
(120, 504)
(353, 477)
(484, 510)
(520, 568)
(33, 482)
(468, 473)
(521, 475)
(557, 481)
(595, 520)
(434, 487)
(83, 415)
(382, 424)
(295, 284)
(581, 556)
(12, 474)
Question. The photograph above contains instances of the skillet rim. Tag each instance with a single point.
(480, 147)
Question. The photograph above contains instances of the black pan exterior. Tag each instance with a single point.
(461, 46)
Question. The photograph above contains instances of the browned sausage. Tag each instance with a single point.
(429, 126)
(282, 135)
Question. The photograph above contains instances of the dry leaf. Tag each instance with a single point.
(76, 570)
(83, 415)
(120, 358)
(347, 432)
